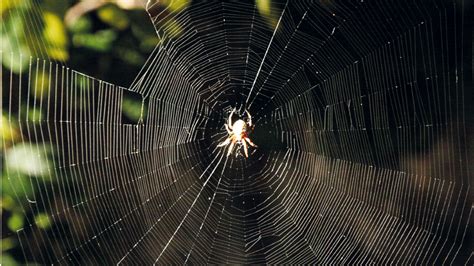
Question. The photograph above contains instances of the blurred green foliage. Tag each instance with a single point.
(264, 7)
(114, 16)
(106, 42)
(132, 109)
(105, 39)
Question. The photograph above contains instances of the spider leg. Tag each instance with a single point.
(227, 141)
(250, 118)
(231, 146)
(228, 129)
(250, 142)
(229, 121)
(245, 149)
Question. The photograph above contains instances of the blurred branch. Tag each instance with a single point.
(130, 4)
(86, 6)
(80, 9)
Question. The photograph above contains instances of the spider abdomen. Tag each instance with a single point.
(239, 128)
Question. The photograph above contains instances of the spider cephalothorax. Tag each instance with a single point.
(238, 133)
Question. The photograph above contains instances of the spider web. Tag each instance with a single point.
(363, 116)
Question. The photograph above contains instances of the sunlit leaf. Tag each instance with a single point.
(41, 85)
(55, 35)
(6, 4)
(15, 63)
(7, 203)
(35, 114)
(15, 50)
(264, 7)
(7, 243)
(16, 185)
(132, 109)
(15, 222)
(8, 130)
(6, 259)
(81, 25)
(43, 221)
(114, 16)
(54, 30)
(175, 5)
(28, 159)
(60, 54)
(172, 28)
(100, 41)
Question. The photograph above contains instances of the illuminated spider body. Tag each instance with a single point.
(238, 134)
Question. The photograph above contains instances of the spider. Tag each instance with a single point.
(238, 133)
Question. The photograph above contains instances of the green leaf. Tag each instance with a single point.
(9, 131)
(175, 5)
(35, 114)
(40, 85)
(132, 108)
(7, 203)
(54, 33)
(7, 243)
(15, 222)
(114, 16)
(264, 7)
(16, 185)
(16, 58)
(28, 159)
(15, 50)
(7, 260)
(81, 25)
(43, 221)
(100, 41)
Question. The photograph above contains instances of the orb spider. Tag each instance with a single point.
(238, 133)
